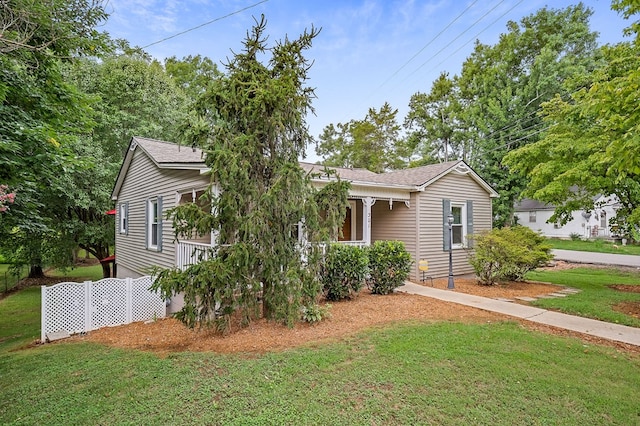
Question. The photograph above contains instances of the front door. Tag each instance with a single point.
(346, 227)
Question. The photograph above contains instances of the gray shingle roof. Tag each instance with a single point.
(344, 173)
(417, 176)
(170, 153)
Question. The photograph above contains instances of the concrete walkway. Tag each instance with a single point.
(597, 258)
(620, 333)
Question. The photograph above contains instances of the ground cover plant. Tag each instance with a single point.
(597, 299)
(598, 246)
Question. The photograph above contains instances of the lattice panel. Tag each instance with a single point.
(108, 303)
(76, 308)
(64, 308)
(145, 304)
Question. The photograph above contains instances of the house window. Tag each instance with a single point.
(532, 216)
(457, 228)
(154, 223)
(461, 226)
(603, 220)
(124, 218)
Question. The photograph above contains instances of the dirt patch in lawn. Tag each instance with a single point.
(628, 288)
(347, 318)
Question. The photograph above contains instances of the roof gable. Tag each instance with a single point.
(165, 155)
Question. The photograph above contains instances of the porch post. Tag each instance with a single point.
(366, 223)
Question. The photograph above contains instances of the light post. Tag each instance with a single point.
(450, 284)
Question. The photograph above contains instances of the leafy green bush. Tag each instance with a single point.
(315, 313)
(575, 236)
(344, 271)
(390, 264)
(507, 254)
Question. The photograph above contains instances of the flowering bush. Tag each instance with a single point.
(6, 198)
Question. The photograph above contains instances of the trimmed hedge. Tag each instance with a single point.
(344, 272)
(390, 264)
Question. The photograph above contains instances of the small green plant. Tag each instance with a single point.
(390, 264)
(344, 271)
(315, 313)
(507, 254)
(575, 236)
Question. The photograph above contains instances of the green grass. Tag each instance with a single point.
(598, 246)
(83, 273)
(419, 373)
(444, 373)
(596, 299)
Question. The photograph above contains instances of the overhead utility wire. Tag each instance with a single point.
(206, 23)
(475, 37)
(457, 37)
(428, 44)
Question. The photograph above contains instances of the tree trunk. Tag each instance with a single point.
(36, 271)
(106, 269)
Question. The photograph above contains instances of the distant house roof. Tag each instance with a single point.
(167, 155)
(528, 204)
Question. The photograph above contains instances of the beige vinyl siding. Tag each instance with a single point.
(395, 224)
(145, 180)
(458, 188)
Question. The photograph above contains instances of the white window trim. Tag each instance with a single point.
(151, 221)
(463, 219)
(124, 220)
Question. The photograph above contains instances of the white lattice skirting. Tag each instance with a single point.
(79, 307)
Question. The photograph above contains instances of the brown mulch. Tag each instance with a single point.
(347, 318)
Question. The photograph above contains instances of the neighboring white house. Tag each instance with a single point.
(588, 224)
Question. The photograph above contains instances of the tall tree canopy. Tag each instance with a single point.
(374, 143)
(251, 125)
(42, 114)
(503, 86)
(433, 123)
(592, 143)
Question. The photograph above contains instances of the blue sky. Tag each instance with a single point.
(368, 52)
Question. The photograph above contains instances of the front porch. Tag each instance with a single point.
(363, 224)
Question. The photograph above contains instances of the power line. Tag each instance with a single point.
(457, 37)
(428, 44)
(205, 24)
(476, 36)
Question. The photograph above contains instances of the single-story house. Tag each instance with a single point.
(409, 205)
(594, 223)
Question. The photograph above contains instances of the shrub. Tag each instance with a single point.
(390, 264)
(575, 236)
(507, 254)
(344, 271)
(315, 313)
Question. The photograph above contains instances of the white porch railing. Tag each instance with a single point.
(354, 243)
(190, 253)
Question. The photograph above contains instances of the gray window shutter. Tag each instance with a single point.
(469, 221)
(446, 209)
(146, 223)
(126, 218)
(159, 223)
(118, 219)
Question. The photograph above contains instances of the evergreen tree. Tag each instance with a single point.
(251, 125)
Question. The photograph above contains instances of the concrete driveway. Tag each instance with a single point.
(597, 258)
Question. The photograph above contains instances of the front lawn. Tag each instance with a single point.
(406, 373)
(598, 246)
(595, 300)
